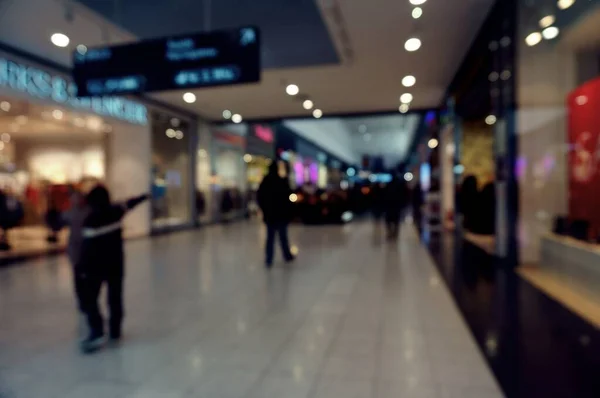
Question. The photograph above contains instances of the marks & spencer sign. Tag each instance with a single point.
(41, 84)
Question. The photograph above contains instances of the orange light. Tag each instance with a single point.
(365, 190)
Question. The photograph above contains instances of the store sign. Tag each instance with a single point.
(216, 58)
(264, 133)
(41, 84)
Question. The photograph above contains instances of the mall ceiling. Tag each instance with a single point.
(362, 74)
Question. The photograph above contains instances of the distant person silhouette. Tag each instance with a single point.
(102, 261)
(395, 198)
(274, 201)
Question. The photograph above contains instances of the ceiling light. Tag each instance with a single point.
(550, 32)
(190, 98)
(5, 137)
(490, 120)
(21, 119)
(81, 49)
(417, 2)
(433, 143)
(292, 89)
(533, 39)
(226, 114)
(79, 122)
(308, 104)
(60, 40)
(406, 98)
(175, 122)
(178, 134)
(412, 44)
(548, 20)
(237, 118)
(408, 176)
(403, 108)
(5, 106)
(317, 113)
(564, 4)
(362, 129)
(409, 81)
(170, 133)
(247, 158)
(417, 12)
(57, 114)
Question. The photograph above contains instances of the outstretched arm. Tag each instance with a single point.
(133, 202)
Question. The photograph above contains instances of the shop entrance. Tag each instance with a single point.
(45, 153)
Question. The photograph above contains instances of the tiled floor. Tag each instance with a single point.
(353, 317)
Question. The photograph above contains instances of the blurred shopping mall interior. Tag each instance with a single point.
(485, 112)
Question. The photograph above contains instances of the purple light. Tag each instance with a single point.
(520, 167)
(314, 173)
(299, 171)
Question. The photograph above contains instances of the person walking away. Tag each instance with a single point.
(274, 201)
(395, 196)
(102, 261)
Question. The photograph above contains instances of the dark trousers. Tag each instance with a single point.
(90, 290)
(281, 230)
(392, 222)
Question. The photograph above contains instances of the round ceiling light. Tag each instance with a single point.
(227, 114)
(190, 98)
(412, 44)
(5, 137)
(550, 32)
(57, 114)
(308, 104)
(406, 98)
(237, 118)
(433, 143)
(409, 81)
(60, 40)
(533, 38)
(292, 89)
(317, 113)
(362, 129)
(5, 106)
(417, 2)
(170, 133)
(178, 134)
(404, 108)
(548, 20)
(564, 4)
(490, 120)
(417, 12)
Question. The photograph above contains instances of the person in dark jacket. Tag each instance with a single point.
(274, 201)
(102, 261)
(74, 219)
(395, 198)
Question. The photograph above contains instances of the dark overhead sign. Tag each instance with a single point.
(181, 62)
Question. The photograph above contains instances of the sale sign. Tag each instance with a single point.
(584, 155)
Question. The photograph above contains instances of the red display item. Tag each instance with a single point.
(584, 154)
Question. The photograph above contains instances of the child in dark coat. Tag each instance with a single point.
(102, 261)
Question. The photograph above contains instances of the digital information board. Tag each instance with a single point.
(216, 58)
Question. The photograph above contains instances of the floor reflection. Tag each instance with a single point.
(535, 346)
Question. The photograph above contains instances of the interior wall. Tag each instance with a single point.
(128, 172)
(61, 159)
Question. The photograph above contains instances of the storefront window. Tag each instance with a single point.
(558, 125)
(170, 171)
